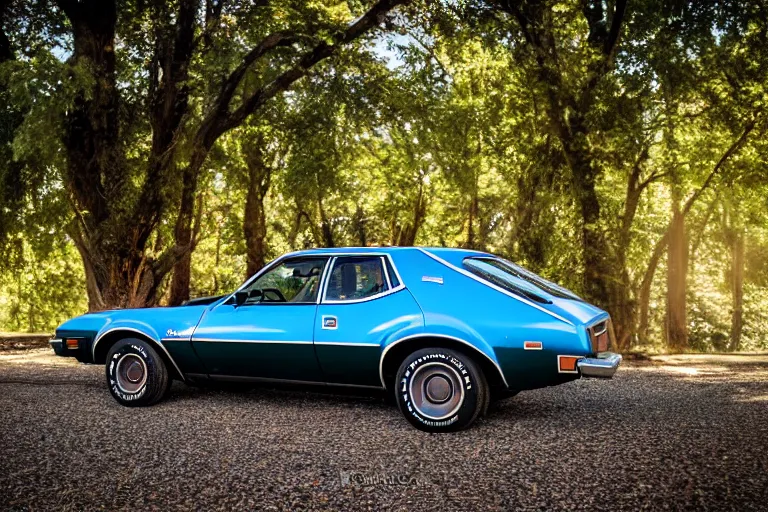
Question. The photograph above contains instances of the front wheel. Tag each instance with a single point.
(136, 374)
(440, 390)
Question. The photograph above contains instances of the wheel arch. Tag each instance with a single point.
(394, 354)
(107, 340)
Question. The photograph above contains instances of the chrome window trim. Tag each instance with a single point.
(159, 343)
(324, 278)
(389, 291)
(434, 335)
(491, 285)
(324, 289)
(386, 273)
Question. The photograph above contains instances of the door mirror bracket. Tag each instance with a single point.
(240, 298)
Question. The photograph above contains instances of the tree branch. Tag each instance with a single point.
(228, 88)
(731, 150)
(655, 176)
(71, 9)
(615, 32)
(320, 52)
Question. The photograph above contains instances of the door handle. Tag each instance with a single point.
(330, 322)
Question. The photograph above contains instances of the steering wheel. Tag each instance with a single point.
(274, 291)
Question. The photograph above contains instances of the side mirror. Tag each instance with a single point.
(240, 298)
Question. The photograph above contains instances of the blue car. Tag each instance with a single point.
(442, 331)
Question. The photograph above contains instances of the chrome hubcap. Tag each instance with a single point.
(436, 391)
(131, 373)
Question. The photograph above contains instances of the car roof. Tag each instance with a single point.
(438, 251)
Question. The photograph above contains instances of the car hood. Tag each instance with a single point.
(157, 323)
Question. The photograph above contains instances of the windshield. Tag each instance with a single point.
(509, 275)
(294, 281)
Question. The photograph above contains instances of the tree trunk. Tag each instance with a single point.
(255, 219)
(325, 224)
(117, 272)
(594, 247)
(110, 232)
(474, 208)
(182, 235)
(644, 295)
(360, 226)
(568, 110)
(217, 261)
(676, 327)
(622, 307)
(733, 231)
(737, 289)
(405, 236)
(293, 234)
(661, 245)
(529, 236)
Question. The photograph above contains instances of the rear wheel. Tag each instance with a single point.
(136, 374)
(441, 390)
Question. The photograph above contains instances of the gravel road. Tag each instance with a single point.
(676, 433)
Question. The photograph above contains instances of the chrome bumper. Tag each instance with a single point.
(603, 366)
(58, 346)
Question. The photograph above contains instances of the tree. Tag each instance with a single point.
(119, 202)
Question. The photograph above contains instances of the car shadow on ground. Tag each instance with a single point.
(282, 395)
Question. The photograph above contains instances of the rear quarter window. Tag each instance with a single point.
(494, 274)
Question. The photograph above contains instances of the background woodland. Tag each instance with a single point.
(152, 151)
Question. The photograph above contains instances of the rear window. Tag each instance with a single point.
(516, 279)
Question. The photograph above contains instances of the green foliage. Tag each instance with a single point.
(47, 290)
(442, 131)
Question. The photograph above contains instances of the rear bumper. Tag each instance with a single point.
(603, 366)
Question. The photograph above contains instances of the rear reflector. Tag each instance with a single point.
(567, 364)
(533, 345)
(73, 344)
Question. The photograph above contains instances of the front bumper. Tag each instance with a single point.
(81, 353)
(603, 366)
(58, 347)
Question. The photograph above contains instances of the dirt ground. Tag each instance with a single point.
(671, 433)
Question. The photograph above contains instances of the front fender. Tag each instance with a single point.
(155, 324)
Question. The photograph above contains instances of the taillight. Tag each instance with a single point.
(599, 336)
(567, 364)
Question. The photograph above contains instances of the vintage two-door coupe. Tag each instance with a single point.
(443, 330)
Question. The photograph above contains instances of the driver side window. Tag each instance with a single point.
(355, 278)
(295, 281)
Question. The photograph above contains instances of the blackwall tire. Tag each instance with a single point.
(440, 390)
(136, 374)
